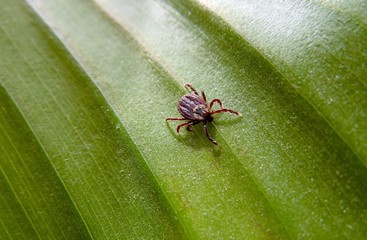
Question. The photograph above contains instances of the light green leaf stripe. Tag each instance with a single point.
(320, 48)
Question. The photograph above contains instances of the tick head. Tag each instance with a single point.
(209, 118)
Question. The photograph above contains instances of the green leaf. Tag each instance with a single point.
(85, 88)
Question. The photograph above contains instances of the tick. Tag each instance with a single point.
(195, 109)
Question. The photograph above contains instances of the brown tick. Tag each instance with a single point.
(195, 109)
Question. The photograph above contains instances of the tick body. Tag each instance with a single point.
(195, 109)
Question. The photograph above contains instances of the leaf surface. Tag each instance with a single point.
(89, 84)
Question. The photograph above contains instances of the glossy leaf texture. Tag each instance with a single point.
(85, 87)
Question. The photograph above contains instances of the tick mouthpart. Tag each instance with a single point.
(209, 118)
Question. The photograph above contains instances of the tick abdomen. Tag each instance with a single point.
(192, 107)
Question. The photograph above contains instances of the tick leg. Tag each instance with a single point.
(175, 118)
(214, 101)
(225, 110)
(188, 126)
(203, 94)
(192, 88)
(181, 125)
(207, 134)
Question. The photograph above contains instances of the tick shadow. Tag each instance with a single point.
(196, 138)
